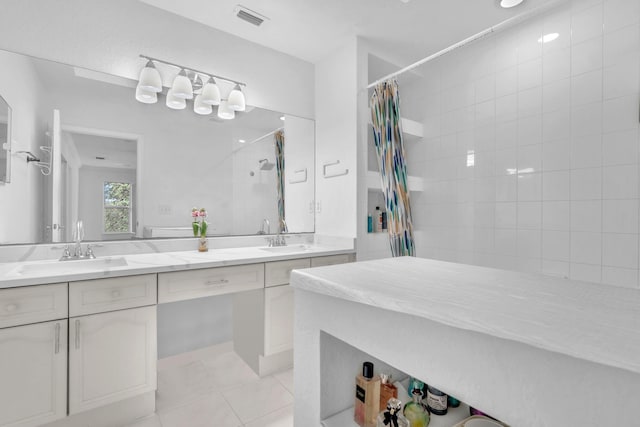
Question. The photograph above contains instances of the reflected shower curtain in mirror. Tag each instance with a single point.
(279, 145)
(387, 136)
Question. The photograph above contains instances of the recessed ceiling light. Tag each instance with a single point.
(548, 38)
(510, 3)
(281, 117)
(241, 141)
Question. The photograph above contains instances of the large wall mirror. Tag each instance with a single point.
(132, 170)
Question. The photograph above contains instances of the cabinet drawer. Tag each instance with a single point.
(331, 260)
(278, 273)
(117, 293)
(32, 304)
(183, 285)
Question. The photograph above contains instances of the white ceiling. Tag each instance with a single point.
(310, 30)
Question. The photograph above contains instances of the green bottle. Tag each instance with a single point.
(415, 412)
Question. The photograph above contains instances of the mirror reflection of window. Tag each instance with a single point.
(117, 207)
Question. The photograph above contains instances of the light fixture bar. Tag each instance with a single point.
(162, 61)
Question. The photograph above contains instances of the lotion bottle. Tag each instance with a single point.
(367, 399)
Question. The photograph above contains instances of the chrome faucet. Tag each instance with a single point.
(78, 235)
(268, 230)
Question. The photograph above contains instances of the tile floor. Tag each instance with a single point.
(214, 387)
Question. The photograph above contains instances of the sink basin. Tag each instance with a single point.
(57, 267)
(287, 249)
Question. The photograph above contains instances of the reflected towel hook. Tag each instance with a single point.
(303, 176)
(30, 156)
(45, 167)
(326, 165)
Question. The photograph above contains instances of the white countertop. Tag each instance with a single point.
(589, 321)
(14, 274)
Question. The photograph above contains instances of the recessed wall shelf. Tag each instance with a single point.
(411, 129)
(373, 182)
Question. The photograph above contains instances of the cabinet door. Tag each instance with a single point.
(278, 319)
(33, 374)
(112, 356)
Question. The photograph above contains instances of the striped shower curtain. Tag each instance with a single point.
(279, 145)
(387, 136)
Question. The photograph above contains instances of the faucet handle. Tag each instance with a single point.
(66, 253)
(89, 253)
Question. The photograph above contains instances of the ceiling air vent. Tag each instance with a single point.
(250, 16)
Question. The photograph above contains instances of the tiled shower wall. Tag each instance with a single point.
(530, 154)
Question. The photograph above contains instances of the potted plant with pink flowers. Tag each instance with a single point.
(200, 226)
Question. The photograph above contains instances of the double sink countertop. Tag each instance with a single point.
(14, 274)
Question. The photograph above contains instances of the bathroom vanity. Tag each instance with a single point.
(530, 350)
(78, 339)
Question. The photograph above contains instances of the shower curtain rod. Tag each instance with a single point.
(265, 135)
(500, 26)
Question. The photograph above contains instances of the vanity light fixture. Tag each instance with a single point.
(150, 79)
(190, 84)
(510, 3)
(211, 92)
(236, 99)
(224, 112)
(182, 87)
(175, 102)
(282, 118)
(199, 106)
(146, 96)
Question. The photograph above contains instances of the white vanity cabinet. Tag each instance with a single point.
(263, 318)
(112, 355)
(33, 357)
(278, 305)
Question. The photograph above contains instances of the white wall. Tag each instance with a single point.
(554, 134)
(108, 36)
(299, 155)
(21, 200)
(336, 139)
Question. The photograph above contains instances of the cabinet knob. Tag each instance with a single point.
(11, 307)
(115, 294)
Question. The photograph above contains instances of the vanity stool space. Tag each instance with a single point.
(84, 352)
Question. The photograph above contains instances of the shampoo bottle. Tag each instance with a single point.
(369, 224)
(378, 219)
(367, 404)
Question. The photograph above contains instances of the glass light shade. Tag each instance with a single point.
(175, 102)
(146, 96)
(510, 3)
(236, 99)
(150, 78)
(224, 112)
(211, 93)
(199, 107)
(182, 87)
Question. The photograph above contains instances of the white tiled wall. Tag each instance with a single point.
(530, 155)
